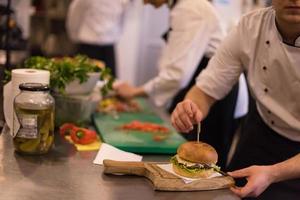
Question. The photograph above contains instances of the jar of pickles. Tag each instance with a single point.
(33, 119)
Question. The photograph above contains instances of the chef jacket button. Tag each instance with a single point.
(266, 90)
(264, 68)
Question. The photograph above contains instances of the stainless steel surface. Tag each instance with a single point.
(65, 174)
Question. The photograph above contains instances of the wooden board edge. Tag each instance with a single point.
(222, 182)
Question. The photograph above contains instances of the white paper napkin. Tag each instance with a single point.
(11, 89)
(169, 168)
(107, 151)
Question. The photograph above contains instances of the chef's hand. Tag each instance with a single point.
(125, 90)
(258, 177)
(185, 115)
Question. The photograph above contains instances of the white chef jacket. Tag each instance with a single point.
(272, 67)
(195, 32)
(97, 22)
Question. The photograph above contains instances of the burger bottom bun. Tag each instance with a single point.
(201, 174)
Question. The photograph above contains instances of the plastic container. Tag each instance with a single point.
(77, 88)
(74, 109)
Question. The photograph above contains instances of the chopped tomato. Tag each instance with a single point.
(145, 126)
(159, 138)
(66, 129)
(83, 136)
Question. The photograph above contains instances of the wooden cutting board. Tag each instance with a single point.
(163, 180)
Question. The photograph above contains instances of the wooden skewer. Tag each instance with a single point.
(198, 131)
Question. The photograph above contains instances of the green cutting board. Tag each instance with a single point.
(136, 141)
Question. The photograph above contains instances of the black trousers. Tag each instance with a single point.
(260, 145)
(219, 126)
(106, 53)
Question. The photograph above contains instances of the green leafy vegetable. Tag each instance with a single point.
(195, 168)
(7, 76)
(66, 69)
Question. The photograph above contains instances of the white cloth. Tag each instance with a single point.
(242, 102)
(196, 32)
(272, 67)
(96, 22)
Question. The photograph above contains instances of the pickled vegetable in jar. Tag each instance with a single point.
(33, 119)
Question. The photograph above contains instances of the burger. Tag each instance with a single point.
(195, 160)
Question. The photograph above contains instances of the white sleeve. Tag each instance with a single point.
(187, 44)
(101, 21)
(224, 68)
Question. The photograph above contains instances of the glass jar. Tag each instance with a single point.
(33, 119)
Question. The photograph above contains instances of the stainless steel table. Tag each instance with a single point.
(67, 174)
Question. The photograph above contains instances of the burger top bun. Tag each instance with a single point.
(198, 152)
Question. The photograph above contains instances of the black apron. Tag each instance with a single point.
(260, 145)
(105, 53)
(219, 126)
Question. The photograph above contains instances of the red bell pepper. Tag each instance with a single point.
(83, 135)
(66, 129)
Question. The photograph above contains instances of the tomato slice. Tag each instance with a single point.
(145, 126)
(159, 138)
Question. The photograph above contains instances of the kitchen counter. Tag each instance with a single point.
(67, 174)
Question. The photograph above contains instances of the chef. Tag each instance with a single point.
(266, 45)
(195, 33)
(96, 26)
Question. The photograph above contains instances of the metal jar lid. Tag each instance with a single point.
(34, 87)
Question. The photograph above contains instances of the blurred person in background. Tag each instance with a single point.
(266, 45)
(96, 26)
(195, 34)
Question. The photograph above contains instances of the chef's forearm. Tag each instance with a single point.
(140, 92)
(162, 89)
(203, 101)
(289, 169)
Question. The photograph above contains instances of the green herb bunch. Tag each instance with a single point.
(67, 69)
